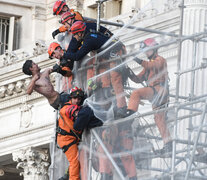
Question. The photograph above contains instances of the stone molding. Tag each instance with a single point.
(18, 87)
(26, 115)
(150, 12)
(34, 162)
(12, 57)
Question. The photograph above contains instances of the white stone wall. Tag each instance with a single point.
(29, 120)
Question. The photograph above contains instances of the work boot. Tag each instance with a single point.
(122, 113)
(166, 149)
(105, 176)
(133, 178)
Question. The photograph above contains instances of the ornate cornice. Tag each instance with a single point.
(13, 57)
(150, 12)
(17, 92)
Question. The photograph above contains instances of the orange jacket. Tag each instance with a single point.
(78, 17)
(67, 117)
(154, 72)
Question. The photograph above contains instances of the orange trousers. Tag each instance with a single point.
(126, 143)
(67, 83)
(113, 78)
(71, 154)
(147, 93)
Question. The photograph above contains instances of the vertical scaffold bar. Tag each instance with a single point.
(196, 141)
(108, 154)
(98, 16)
(177, 90)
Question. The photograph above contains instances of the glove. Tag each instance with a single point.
(65, 71)
(54, 33)
(63, 62)
(139, 61)
(92, 85)
(56, 68)
(67, 63)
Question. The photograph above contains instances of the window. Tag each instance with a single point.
(8, 34)
(4, 34)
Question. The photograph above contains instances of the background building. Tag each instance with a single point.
(27, 122)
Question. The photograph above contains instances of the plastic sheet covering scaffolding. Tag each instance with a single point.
(130, 147)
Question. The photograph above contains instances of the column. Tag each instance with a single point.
(34, 163)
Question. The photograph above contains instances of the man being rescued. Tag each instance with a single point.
(41, 83)
(157, 90)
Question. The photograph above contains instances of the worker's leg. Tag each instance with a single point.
(160, 101)
(162, 126)
(109, 136)
(138, 94)
(74, 167)
(117, 84)
(90, 71)
(83, 164)
(67, 83)
(105, 78)
(105, 166)
(127, 145)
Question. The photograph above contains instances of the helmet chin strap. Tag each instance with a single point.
(153, 55)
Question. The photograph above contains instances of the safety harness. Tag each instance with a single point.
(65, 133)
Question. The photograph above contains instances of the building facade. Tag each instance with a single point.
(27, 121)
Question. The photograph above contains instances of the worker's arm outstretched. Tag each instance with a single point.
(31, 85)
(158, 63)
(89, 44)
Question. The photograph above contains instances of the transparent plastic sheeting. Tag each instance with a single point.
(126, 147)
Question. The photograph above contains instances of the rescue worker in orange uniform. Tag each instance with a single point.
(67, 137)
(155, 75)
(118, 139)
(60, 8)
(67, 66)
(91, 42)
(72, 121)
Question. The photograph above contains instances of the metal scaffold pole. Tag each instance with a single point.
(196, 141)
(187, 103)
(108, 154)
(177, 90)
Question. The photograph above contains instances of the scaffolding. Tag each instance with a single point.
(182, 162)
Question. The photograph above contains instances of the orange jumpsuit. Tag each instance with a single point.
(156, 76)
(113, 78)
(67, 81)
(118, 138)
(68, 139)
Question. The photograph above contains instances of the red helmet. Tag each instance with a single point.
(148, 43)
(58, 6)
(52, 48)
(76, 92)
(66, 16)
(78, 26)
